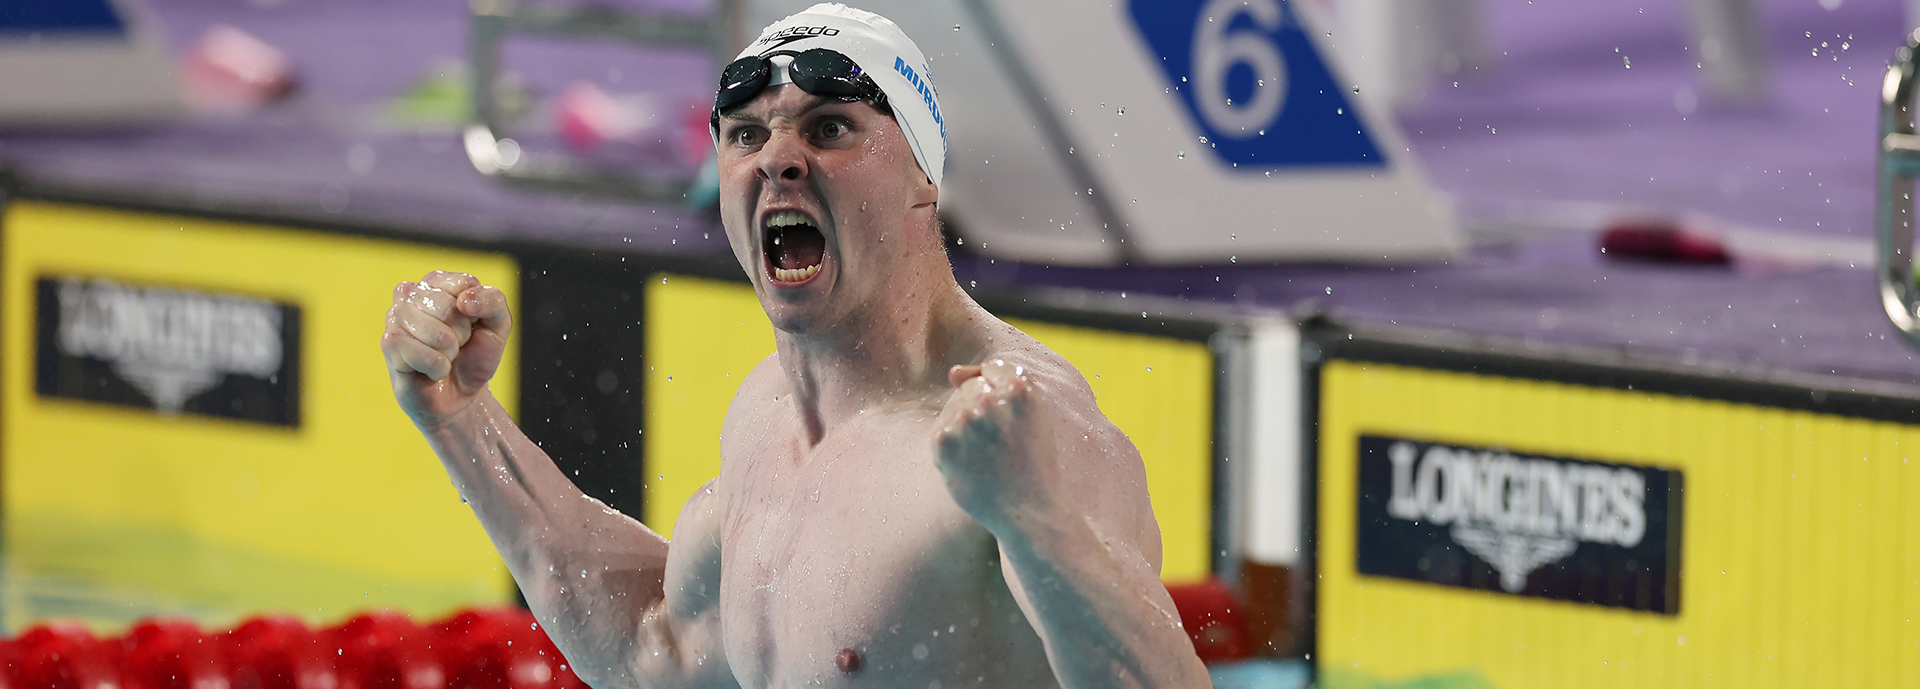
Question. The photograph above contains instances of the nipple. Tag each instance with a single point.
(848, 660)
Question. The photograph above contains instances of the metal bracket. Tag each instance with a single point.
(502, 159)
(1899, 166)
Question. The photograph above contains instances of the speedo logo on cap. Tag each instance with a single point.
(926, 95)
(795, 33)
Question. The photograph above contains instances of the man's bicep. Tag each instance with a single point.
(687, 644)
(693, 556)
(1113, 494)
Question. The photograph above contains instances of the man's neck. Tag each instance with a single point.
(894, 350)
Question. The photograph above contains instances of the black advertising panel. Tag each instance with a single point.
(1529, 525)
(172, 350)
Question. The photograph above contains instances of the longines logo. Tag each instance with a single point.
(1530, 525)
(171, 350)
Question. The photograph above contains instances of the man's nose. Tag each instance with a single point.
(783, 158)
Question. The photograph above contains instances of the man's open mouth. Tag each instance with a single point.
(794, 247)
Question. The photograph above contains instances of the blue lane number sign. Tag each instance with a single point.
(1254, 84)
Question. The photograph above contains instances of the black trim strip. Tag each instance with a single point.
(1448, 351)
(1058, 308)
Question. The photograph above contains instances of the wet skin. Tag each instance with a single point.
(912, 493)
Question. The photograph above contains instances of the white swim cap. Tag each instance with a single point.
(884, 53)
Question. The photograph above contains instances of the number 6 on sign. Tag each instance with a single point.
(1216, 51)
(1254, 84)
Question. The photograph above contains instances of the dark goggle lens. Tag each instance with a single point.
(823, 72)
(741, 81)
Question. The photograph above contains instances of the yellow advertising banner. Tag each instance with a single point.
(704, 336)
(197, 421)
(1480, 531)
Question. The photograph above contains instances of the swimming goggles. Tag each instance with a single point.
(819, 71)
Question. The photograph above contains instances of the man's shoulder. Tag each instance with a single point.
(762, 383)
(757, 399)
(1044, 365)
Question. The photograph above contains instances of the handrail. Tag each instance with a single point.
(1899, 165)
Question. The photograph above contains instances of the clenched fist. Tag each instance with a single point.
(994, 445)
(444, 338)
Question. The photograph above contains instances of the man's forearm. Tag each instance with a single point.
(588, 572)
(1105, 617)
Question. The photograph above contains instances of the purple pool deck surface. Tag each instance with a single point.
(1558, 122)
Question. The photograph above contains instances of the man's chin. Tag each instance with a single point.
(794, 321)
(795, 311)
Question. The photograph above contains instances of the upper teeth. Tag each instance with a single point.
(795, 274)
(785, 218)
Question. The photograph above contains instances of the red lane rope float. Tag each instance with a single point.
(491, 648)
(280, 652)
(1211, 614)
(483, 648)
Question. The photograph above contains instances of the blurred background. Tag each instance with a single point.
(1468, 342)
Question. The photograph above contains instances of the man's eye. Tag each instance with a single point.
(832, 129)
(747, 136)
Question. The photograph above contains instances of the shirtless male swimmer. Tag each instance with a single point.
(912, 493)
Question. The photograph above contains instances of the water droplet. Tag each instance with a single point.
(919, 651)
(1329, 290)
(1120, 110)
(956, 27)
(1356, 89)
(1181, 155)
(1203, 139)
(1234, 237)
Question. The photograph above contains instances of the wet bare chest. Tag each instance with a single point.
(853, 549)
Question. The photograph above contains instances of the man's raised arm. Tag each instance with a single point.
(1077, 570)
(625, 609)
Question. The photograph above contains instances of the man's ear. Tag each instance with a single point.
(925, 193)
